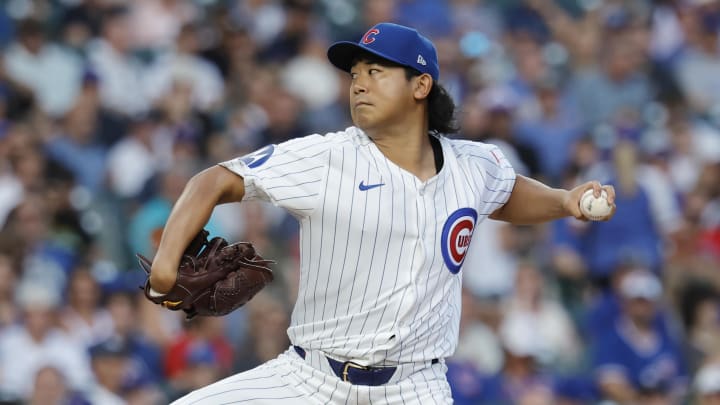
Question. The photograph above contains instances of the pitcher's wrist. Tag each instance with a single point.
(161, 283)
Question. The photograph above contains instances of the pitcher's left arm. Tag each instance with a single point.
(532, 202)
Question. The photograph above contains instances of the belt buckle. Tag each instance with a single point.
(349, 364)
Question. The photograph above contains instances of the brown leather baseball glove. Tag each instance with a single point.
(214, 278)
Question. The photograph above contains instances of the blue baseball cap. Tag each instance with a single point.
(396, 43)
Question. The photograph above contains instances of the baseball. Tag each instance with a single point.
(595, 208)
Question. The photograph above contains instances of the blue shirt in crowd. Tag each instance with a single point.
(657, 365)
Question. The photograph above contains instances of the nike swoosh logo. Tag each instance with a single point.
(365, 187)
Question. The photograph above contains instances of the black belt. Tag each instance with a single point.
(357, 374)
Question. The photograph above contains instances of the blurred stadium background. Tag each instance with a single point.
(108, 107)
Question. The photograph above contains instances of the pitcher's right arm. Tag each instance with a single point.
(211, 187)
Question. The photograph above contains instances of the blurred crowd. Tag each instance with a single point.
(107, 108)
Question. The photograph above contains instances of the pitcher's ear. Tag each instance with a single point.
(422, 85)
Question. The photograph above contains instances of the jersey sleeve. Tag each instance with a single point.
(495, 176)
(290, 174)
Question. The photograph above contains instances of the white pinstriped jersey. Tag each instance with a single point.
(381, 251)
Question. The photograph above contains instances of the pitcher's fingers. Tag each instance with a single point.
(610, 190)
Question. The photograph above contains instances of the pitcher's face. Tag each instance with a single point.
(379, 95)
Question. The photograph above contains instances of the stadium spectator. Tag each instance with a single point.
(75, 147)
(551, 131)
(146, 356)
(52, 73)
(84, 319)
(700, 307)
(701, 57)
(707, 384)
(122, 75)
(110, 360)
(183, 64)
(50, 387)
(199, 356)
(636, 359)
(28, 347)
(479, 348)
(135, 159)
(521, 379)
(558, 344)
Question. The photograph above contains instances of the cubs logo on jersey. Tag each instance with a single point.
(258, 157)
(456, 235)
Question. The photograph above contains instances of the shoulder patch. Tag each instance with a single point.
(258, 157)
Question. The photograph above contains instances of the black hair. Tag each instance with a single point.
(441, 107)
(441, 111)
(113, 13)
(692, 295)
(29, 28)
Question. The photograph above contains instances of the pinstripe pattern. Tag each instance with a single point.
(289, 380)
(375, 283)
(374, 286)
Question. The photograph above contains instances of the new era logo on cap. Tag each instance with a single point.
(396, 43)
